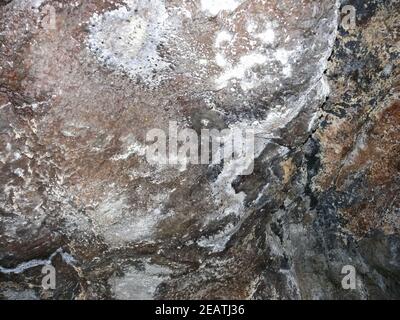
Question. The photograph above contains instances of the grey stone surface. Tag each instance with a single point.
(77, 98)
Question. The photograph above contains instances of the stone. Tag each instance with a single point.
(78, 96)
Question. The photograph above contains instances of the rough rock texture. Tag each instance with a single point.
(76, 101)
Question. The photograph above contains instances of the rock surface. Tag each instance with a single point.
(82, 83)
